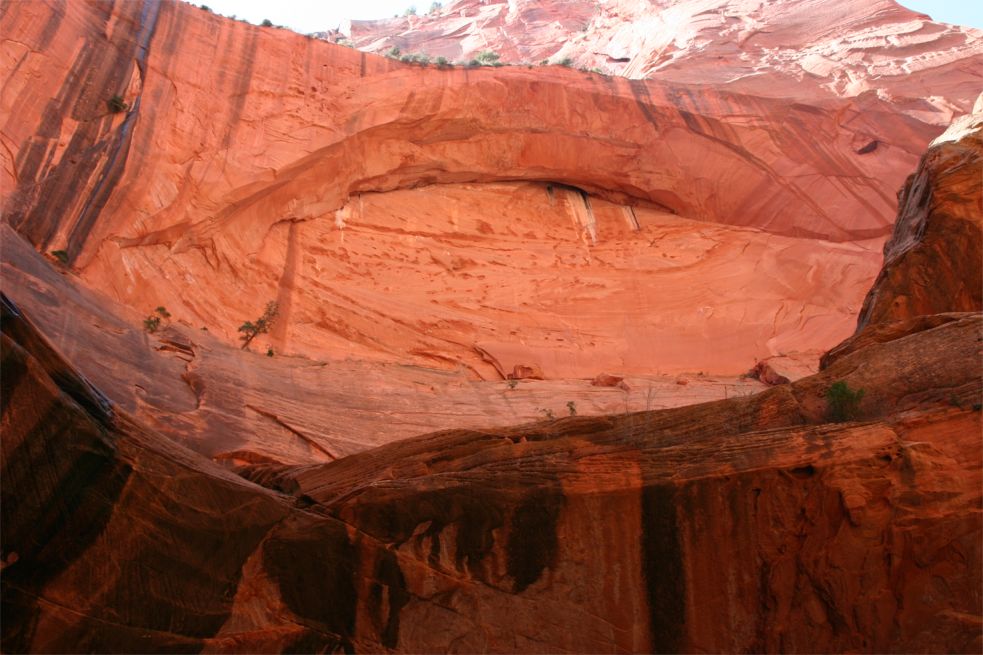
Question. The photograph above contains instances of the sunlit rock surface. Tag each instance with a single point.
(294, 170)
(782, 48)
(428, 233)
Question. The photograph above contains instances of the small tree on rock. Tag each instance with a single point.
(262, 325)
(487, 57)
(152, 322)
(117, 105)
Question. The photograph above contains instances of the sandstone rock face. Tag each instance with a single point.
(832, 537)
(780, 48)
(426, 233)
(606, 380)
(765, 372)
(939, 232)
(777, 541)
(827, 537)
(294, 190)
(238, 407)
(933, 263)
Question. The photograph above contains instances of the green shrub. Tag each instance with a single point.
(572, 408)
(435, 7)
(60, 255)
(487, 57)
(421, 59)
(117, 105)
(152, 323)
(266, 23)
(545, 62)
(548, 413)
(566, 61)
(843, 402)
(269, 351)
(441, 61)
(393, 52)
(512, 384)
(411, 11)
(207, 8)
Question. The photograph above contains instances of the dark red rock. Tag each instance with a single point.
(764, 372)
(606, 380)
(745, 525)
(431, 543)
(933, 262)
(526, 372)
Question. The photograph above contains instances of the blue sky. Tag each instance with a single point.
(958, 12)
(317, 15)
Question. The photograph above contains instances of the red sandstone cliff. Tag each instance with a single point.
(354, 189)
(939, 226)
(779, 48)
(424, 228)
(748, 524)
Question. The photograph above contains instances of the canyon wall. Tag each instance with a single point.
(429, 231)
(750, 524)
(938, 230)
(782, 48)
(281, 169)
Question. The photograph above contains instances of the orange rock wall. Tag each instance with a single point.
(933, 261)
(238, 137)
(746, 524)
(781, 48)
(730, 526)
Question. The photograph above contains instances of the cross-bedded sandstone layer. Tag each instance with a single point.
(745, 524)
(255, 164)
(171, 493)
(781, 48)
